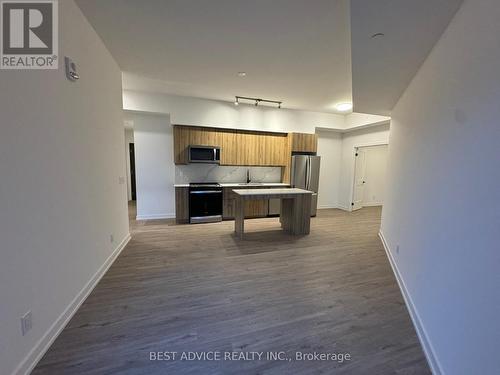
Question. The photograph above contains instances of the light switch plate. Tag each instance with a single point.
(26, 323)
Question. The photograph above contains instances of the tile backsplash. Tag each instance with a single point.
(215, 173)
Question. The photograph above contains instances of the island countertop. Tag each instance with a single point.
(243, 184)
(269, 193)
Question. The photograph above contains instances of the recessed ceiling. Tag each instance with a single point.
(383, 66)
(295, 51)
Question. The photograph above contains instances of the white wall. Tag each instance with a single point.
(441, 207)
(364, 137)
(375, 175)
(204, 112)
(330, 150)
(61, 159)
(129, 138)
(154, 165)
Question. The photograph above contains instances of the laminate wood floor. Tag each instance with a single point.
(199, 288)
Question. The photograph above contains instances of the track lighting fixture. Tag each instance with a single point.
(256, 100)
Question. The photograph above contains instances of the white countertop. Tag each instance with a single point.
(244, 185)
(273, 192)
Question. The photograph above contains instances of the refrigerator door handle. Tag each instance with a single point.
(308, 174)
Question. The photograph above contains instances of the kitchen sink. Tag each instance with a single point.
(251, 184)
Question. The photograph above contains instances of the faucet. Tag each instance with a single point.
(248, 175)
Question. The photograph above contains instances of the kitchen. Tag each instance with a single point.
(220, 167)
(253, 225)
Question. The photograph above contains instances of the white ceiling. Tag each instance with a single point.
(383, 67)
(297, 51)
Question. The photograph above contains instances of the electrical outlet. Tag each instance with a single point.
(26, 323)
(111, 238)
(397, 249)
(121, 180)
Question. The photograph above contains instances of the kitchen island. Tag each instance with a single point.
(295, 214)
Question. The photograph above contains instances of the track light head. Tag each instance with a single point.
(256, 101)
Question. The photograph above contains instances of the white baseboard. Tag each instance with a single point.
(326, 206)
(339, 207)
(345, 208)
(372, 204)
(41, 347)
(155, 217)
(429, 351)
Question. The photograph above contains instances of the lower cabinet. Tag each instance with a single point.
(182, 205)
(227, 204)
(253, 208)
(256, 208)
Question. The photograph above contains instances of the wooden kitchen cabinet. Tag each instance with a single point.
(257, 208)
(227, 204)
(181, 141)
(182, 205)
(238, 147)
(302, 142)
(184, 136)
(253, 148)
(229, 147)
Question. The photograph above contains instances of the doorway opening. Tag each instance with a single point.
(132, 171)
(370, 164)
(130, 165)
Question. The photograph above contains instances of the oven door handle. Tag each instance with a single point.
(205, 192)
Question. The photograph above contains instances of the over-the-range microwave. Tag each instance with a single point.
(204, 154)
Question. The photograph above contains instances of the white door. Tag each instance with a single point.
(359, 179)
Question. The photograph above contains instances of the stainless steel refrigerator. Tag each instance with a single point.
(305, 175)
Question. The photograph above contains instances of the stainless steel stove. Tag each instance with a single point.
(205, 202)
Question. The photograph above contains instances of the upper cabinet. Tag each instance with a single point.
(189, 135)
(302, 142)
(238, 147)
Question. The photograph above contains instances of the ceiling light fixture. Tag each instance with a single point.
(242, 74)
(257, 100)
(343, 107)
